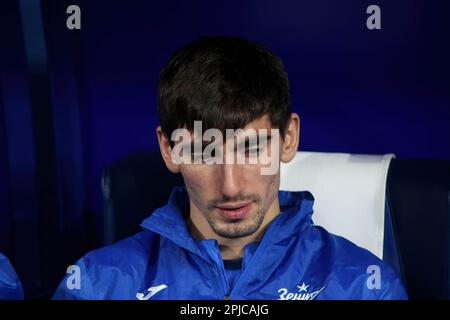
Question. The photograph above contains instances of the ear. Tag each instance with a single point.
(166, 151)
(291, 139)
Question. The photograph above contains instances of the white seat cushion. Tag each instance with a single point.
(349, 192)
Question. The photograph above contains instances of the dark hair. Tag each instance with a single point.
(226, 82)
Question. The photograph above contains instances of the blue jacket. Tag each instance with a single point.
(10, 286)
(294, 260)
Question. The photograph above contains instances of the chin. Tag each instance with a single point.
(229, 230)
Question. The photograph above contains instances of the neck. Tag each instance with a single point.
(230, 248)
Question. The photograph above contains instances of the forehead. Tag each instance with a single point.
(260, 123)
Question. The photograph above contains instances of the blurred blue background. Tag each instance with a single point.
(75, 101)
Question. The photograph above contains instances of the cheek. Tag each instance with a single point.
(266, 186)
(259, 180)
(269, 185)
(197, 182)
(192, 179)
(273, 184)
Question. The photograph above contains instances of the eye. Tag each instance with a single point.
(252, 152)
(213, 153)
(196, 156)
(208, 160)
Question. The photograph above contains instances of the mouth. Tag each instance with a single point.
(235, 211)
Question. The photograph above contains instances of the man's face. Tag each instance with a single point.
(233, 198)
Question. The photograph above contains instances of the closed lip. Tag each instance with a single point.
(233, 206)
(235, 211)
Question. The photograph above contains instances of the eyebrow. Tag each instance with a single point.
(244, 143)
(206, 143)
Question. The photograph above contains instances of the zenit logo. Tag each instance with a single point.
(301, 294)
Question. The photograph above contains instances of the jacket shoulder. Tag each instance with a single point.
(10, 286)
(110, 272)
(351, 265)
(134, 248)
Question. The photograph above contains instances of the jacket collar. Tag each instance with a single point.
(170, 221)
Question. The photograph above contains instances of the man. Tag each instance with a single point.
(229, 234)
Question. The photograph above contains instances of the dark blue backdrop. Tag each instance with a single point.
(73, 101)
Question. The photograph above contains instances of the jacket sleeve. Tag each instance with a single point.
(76, 285)
(10, 286)
(391, 286)
(393, 289)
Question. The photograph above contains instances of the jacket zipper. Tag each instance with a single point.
(250, 268)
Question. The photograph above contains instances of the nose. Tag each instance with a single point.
(232, 183)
